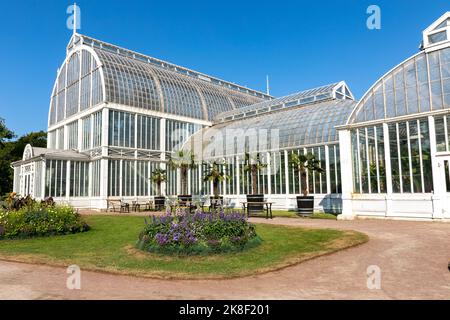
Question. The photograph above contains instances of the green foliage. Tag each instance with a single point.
(5, 133)
(108, 246)
(216, 175)
(305, 163)
(252, 164)
(158, 177)
(36, 220)
(200, 233)
(183, 160)
(11, 151)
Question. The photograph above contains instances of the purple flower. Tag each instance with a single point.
(161, 239)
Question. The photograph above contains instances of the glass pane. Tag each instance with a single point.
(381, 160)
(394, 158)
(404, 157)
(415, 156)
(426, 155)
(440, 133)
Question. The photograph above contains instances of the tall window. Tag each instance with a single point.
(147, 133)
(114, 178)
(128, 167)
(278, 176)
(178, 132)
(335, 174)
(86, 135)
(60, 138)
(72, 138)
(410, 156)
(97, 129)
(55, 183)
(230, 170)
(368, 160)
(317, 181)
(171, 185)
(79, 179)
(121, 129)
(51, 139)
(96, 165)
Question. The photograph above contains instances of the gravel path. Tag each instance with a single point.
(413, 258)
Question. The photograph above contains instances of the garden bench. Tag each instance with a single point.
(251, 207)
(118, 204)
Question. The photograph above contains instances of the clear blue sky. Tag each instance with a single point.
(300, 44)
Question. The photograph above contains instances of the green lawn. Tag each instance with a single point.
(109, 246)
(293, 214)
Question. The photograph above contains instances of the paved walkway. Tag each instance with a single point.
(413, 257)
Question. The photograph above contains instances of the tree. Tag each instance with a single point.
(305, 163)
(35, 139)
(253, 164)
(158, 177)
(5, 133)
(183, 160)
(216, 175)
(12, 150)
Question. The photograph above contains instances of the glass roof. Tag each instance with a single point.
(336, 90)
(301, 126)
(137, 80)
(133, 79)
(420, 84)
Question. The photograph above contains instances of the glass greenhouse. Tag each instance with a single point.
(116, 115)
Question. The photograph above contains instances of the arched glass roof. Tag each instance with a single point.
(78, 85)
(419, 84)
(337, 90)
(133, 79)
(301, 125)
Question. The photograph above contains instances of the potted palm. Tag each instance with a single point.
(183, 160)
(252, 165)
(158, 177)
(305, 163)
(216, 175)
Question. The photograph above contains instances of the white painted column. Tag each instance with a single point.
(327, 169)
(189, 172)
(328, 178)
(387, 162)
(104, 161)
(286, 172)
(68, 173)
(238, 178)
(162, 139)
(439, 188)
(80, 134)
(66, 138)
(44, 178)
(105, 131)
(346, 174)
(269, 173)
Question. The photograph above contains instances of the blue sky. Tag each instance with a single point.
(300, 44)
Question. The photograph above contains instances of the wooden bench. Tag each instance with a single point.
(252, 207)
(118, 205)
(137, 205)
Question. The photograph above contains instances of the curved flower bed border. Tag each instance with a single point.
(199, 233)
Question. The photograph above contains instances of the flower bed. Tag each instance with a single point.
(40, 220)
(198, 233)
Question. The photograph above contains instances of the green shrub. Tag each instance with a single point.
(200, 233)
(40, 220)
